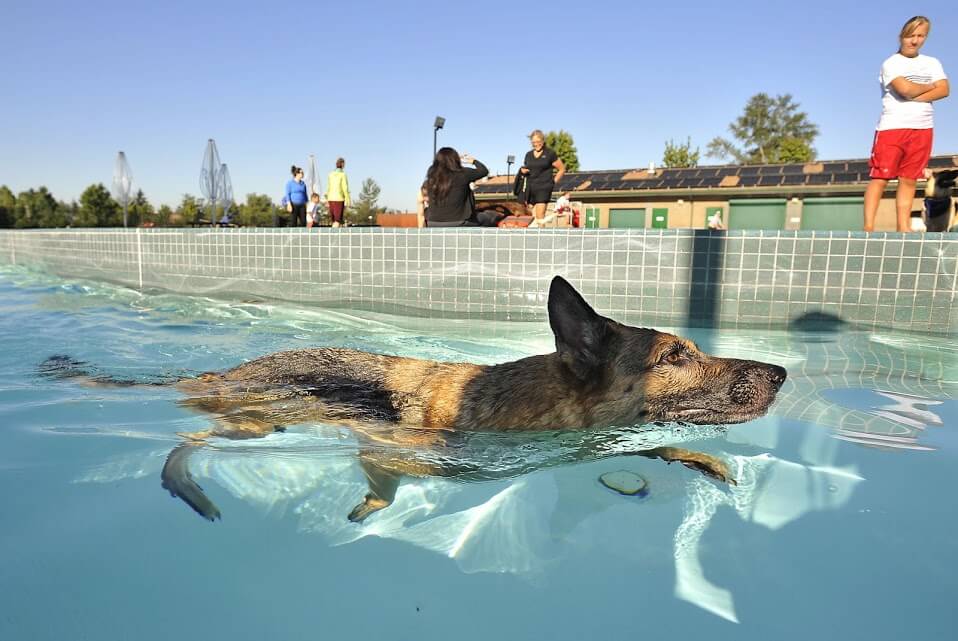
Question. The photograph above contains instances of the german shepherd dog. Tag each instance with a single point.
(939, 214)
(602, 374)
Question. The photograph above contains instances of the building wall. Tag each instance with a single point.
(691, 213)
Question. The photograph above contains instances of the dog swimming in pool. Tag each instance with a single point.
(603, 374)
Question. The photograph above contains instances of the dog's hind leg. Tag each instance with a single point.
(383, 484)
(700, 461)
(176, 478)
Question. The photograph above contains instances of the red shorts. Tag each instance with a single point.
(900, 153)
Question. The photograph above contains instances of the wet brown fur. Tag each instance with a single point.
(602, 374)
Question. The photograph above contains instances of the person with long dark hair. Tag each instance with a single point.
(296, 197)
(451, 203)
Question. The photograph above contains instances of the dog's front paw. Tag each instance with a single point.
(369, 505)
(709, 466)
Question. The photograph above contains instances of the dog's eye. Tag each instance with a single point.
(674, 358)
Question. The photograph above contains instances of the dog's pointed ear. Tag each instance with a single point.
(580, 333)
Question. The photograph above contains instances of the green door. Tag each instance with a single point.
(660, 218)
(591, 217)
(627, 218)
(757, 213)
(833, 214)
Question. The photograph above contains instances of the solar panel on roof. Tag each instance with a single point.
(846, 177)
(833, 167)
(711, 181)
(768, 181)
(819, 179)
(748, 181)
(793, 169)
(670, 183)
(749, 171)
(860, 166)
(939, 163)
(770, 170)
(727, 171)
(793, 179)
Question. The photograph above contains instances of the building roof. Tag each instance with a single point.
(827, 175)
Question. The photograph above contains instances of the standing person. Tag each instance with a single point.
(296, 197)
(537, 166)
(447, 190)
(910, 82)
(337, 192)
(312, 216)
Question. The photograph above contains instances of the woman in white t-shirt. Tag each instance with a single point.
(910, 82)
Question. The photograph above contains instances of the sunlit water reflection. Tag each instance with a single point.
(841, 495)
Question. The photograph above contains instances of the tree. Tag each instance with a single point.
(561, 142)
(68, 210)
(98, 209)
(8, 205)
(37, 208)
(257, 211)
(365, 206)
(680, 155)
(140, 210)
(163, 216)
(771, 130)
(795, 150)
(188, 211)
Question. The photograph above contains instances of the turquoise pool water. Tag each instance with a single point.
(842, 524)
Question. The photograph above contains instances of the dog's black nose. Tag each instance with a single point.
(777, 375)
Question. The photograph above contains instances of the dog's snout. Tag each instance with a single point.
(777, 375)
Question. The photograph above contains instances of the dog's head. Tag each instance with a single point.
(632, 375)
(938, 209)
(941, 183)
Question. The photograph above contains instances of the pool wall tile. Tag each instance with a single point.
(673, 277)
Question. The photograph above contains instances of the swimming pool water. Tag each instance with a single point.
(841, 525)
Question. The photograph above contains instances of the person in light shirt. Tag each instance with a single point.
(910, 82)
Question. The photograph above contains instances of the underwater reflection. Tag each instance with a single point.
(519, 502)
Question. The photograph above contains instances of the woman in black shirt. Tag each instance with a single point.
(538, 165)
(447, 189)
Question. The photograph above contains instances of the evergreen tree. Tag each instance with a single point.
(139, 210)
(364, 211)
(771, 130)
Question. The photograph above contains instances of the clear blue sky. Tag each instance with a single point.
(272, 83)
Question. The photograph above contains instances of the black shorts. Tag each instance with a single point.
(536, 195)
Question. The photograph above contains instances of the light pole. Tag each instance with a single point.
(440, 121)
(509, 160)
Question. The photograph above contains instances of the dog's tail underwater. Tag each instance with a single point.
(179, 482)
(176, 477)
(60, 366)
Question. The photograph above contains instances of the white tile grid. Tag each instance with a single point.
(209, 256)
